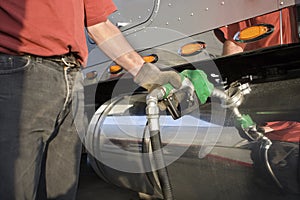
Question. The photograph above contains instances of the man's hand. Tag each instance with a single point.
(150, 76)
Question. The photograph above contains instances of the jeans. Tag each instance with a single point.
(39, 148)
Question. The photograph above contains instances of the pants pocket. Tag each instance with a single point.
(12, 64)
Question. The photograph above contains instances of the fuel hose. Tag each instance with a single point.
(152, 112)
(203, 90)
(158, 156)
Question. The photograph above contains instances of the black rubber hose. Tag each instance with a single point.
(158, 156)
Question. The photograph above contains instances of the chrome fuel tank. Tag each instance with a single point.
(206, 158)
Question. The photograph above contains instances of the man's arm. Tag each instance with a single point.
(109, 38)
(112, 42)
(230, 47)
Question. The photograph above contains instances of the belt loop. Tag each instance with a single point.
(68, 64)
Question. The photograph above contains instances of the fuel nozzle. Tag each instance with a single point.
(193, 81)
(235, 97)
(249, 127)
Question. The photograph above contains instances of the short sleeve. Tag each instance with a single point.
(97, 11)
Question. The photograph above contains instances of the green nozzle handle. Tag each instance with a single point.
(245, 122)
(198, 78)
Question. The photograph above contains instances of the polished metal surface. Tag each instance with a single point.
(118, 143)
(204, 152)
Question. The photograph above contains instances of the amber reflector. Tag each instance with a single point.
(192, 48)
(114, 69)
(91, 75)
(254, 33)
(151, 58)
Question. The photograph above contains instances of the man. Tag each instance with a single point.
(42, 46)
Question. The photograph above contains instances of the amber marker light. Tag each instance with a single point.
(114, 69)
(151, 58)
(254, 33)
(192, 48)
(91, 75)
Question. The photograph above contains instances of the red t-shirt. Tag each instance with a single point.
(288, 131)
(289, 27)
(49, 27)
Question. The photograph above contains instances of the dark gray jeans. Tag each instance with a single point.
(39, 148)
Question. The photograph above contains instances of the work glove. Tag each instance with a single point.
(150, 77)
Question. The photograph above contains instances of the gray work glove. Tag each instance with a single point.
(150, 77)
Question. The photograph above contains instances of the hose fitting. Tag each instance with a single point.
(152, 112)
